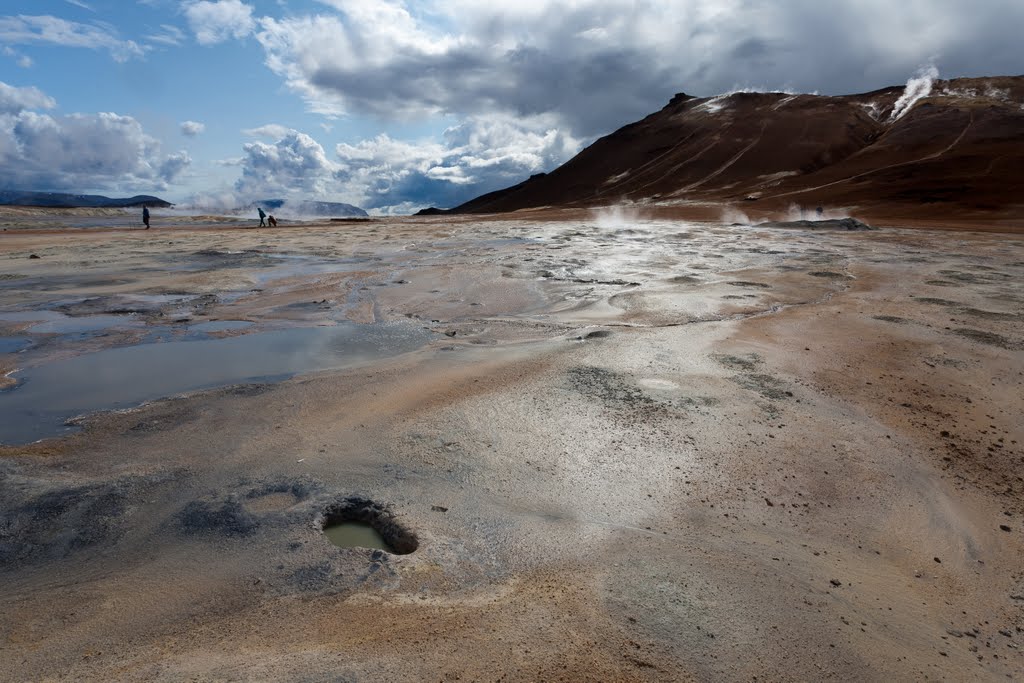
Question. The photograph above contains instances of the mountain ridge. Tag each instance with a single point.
(64, 200)
(955, 149)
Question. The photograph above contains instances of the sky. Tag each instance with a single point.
(396, 105)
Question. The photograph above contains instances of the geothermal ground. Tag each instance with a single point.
(637, 449)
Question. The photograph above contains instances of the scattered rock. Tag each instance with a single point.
(831, 224)
(34, 256)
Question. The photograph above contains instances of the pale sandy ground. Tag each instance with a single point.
(790, 459)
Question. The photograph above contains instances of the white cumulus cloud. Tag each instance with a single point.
(95, 151)
(192, 128)
(214, 21)
(15, 100)
(271, 131)
(296, 164)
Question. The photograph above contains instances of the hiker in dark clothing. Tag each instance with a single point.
(262, 216)
(145, 215)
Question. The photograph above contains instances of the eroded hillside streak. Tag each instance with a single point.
(724, 167)
(929, 157)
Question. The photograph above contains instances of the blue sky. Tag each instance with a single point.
(396, 105)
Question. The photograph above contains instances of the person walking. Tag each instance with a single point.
(145, 215)
(262, 216)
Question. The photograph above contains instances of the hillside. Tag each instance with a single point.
(74, 201)
(959, 149)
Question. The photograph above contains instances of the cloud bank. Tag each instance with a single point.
(102, 151)
(388, 176)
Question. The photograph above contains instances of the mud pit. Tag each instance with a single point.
(639, 451)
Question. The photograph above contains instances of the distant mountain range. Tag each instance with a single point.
(960, 149)
(311, 208)
(61, 200)
(69, 201)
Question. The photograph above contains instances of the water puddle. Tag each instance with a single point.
(31, 316)
(362, 523)
(14, 344)
(356, 535)
(47, 395)
(220, 326)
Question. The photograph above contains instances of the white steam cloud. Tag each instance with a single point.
(918, 87)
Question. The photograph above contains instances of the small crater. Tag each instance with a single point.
(272, 502)
(362, 523)
(745, 283)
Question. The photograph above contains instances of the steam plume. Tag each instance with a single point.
(920, 85)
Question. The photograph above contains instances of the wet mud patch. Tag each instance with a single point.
(990, 315)
(745, 283)
(343, 519)
(936, 301)
(769, 386)
(596, 334)
(57, 523)
(974, 278)
(750, 378)
(607, 386)
(983, 337)
(745, 363)
(215, 259)
(633, 399)
(108, 305)
(830, 275)
(225, 518)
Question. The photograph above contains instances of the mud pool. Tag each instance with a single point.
(355, 535)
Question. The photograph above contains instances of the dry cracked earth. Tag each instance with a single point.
(627, 450)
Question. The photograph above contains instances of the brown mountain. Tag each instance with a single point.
(960, 150)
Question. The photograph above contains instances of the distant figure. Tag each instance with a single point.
(145, 215)
(262, 216)
(272, 221)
